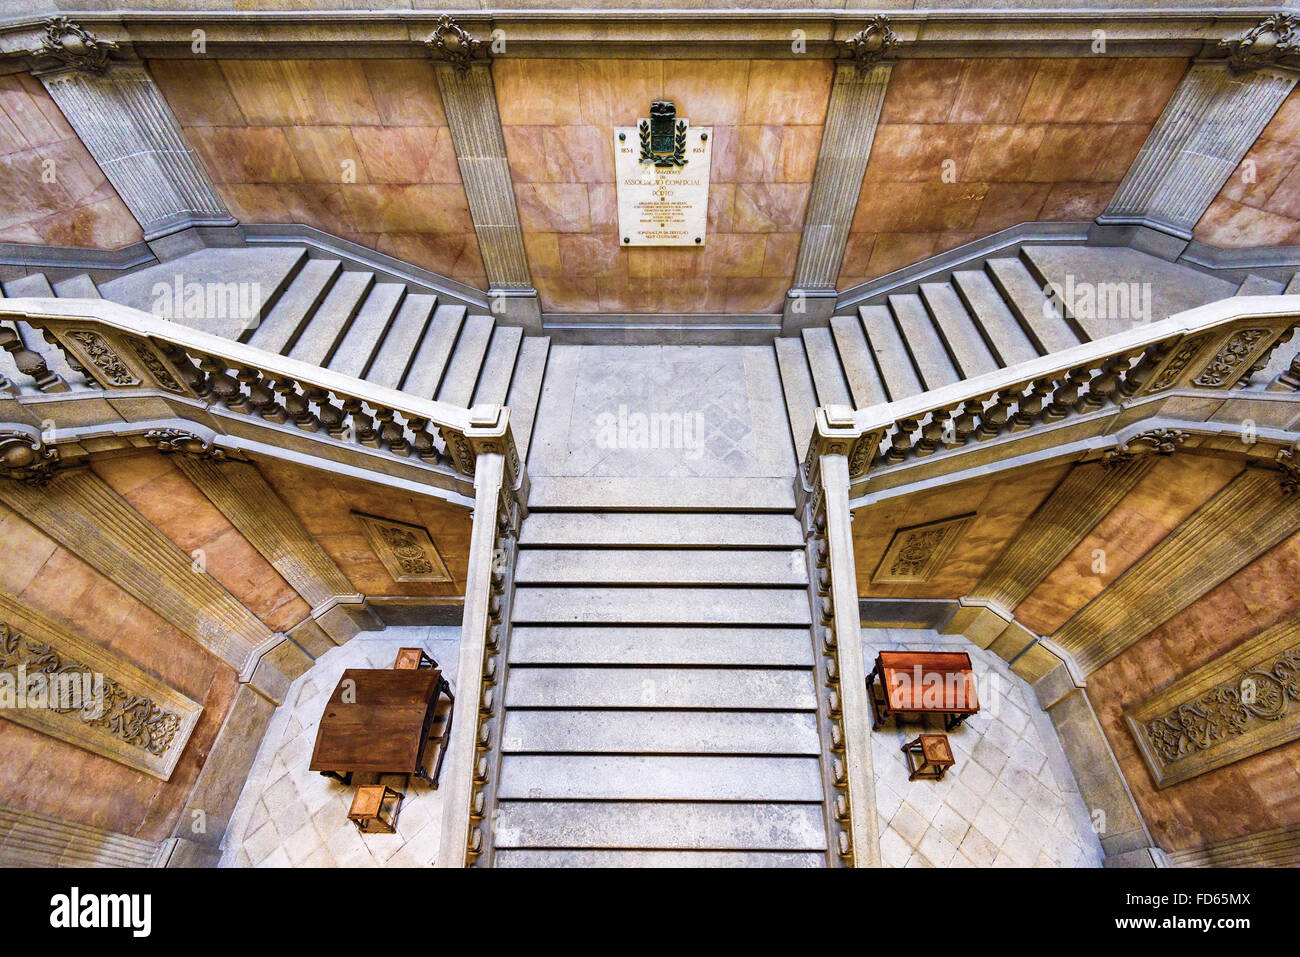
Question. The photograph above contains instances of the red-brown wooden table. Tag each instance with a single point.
(922, 682)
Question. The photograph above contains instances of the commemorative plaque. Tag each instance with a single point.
(662, 171)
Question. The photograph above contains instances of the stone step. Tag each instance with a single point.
(661, 732)
(466, 361)
(929, 355)
(567, 645)
(499, 366)
(1038, 316)
(639, 777)
(658, 566)
(645, 859)
(800, 399)
(279, 331)
(1001, 329)
(661, 606)
(736, 689)
(80, 286)
(397, 353)
(330, 322)
(1257, 285)
(859, 367)
(675, 494)
(526, 390)
(961, 337)
(34, 285)
(368, 329)
(667, 529)
(824, 360)
(891, 355)
(435, 349)
(642, 825)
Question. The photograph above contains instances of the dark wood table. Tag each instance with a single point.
(922, 682)
(378, 719)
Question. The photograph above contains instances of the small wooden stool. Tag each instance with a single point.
(375, 808)
(412, 659)
(935, 756)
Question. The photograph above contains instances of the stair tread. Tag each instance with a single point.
(435, 349)
(891, 354)
(33, 285)
(281, 327)
(1038, 316)
(859, 367)
(614, 645)
(466, 361)
(668, 605)
(1009, 342)
(921, 339)
(397, 352)
(660, 566)
(638, 824)
(648, 494)
(702, 529)
(367, 330)
(800, 400)
(1257, 285)
(667, 858)
(735, 689)
(615, 777)
(526, 390)
(824, 360)
(499, 366)
(958, 331)
(661, 732)
(327, 326)
(80, 286)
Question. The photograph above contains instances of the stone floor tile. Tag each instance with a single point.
(910, 824)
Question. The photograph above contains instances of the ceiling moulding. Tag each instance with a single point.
(660, 34)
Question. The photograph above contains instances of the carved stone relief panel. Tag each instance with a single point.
(69, 687)
(407, 551)
(1240, 704)
(915, 553)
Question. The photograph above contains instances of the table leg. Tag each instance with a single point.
(446, 732)
(345, 778)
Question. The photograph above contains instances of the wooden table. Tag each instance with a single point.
(922, 682)
(378, 720)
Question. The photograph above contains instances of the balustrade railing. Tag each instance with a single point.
(1213, 348)
(118, 349)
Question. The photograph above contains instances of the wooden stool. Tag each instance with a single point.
(935, 756)
(375, 808)
(411, 659)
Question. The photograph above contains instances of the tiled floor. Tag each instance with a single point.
(1011, 799)
(712, 402)
(290, 816)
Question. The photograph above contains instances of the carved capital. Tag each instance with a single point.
(453, 43)
(74, 47)
(1287, 461)
(1150, 442)
(1274, 42)
(869, 46)
(186, 443)
(27, 459)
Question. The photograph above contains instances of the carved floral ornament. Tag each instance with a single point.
(1273, 42)
(27, 459)
(869, 46)
(185, 443)
(453, 43)
(72, 46)
(1150, 442)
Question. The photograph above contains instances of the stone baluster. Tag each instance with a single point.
(1031, 406)
(225, 387)
(29, 361)
(363, 424)
(994, 419)
(1142, 371)
(901, 441)
(296, 404)
(967, 420)
(422, 440)
(1104, 384)
(190, 374)
(932, 434)
(261, 397)
(330, 415)
(391, 435)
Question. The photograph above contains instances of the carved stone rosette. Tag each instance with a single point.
(1273, 42)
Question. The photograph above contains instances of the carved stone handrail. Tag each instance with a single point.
(121, 349)
(1213, 347)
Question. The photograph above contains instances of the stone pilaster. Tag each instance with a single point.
(1073, 509)
(121, 117)
(29, 839)
(1245, 519)
(81, 512)
(851, 118)
(469, 99)
(1208, 126)
(238, 490)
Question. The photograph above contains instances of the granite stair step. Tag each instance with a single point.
(80, 286)
(732, 689)
(322, 335)
(657, 859)
(435, 349)
(661, 731)
(859, 367)
(33, 285)
(499, 366)
(466, 361)
(929, 355)
(667, 529)
(891, 355)
(655, 646)
(397, 353)
(669, 494)
(641, 777)
(958, 330)
(824, 360)
(367, 330)
(280, 329)
(657, 566)
(652, 606)
(1039, 316)
(526, 390)
(800, 399)
(1006, 338)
